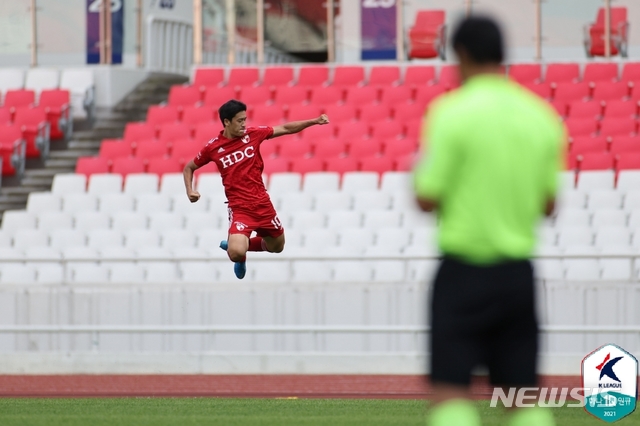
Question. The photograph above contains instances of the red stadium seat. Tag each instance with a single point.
(595, 161)
(91, 165)
(255, 95)
(341, 164)
(325, 95)
(318, 132)
(294, 95)
(307, 165)
(19, 98)
(617, 127)
(12, 149)
(396, 95)
(364, 148)
(276, 165)
(595, 72)
(561, 107)
(345, 76)
(413, 129)
(361, 95)
(35, 130)
(329, 148)
(589, 109)
(115, 148)
(635, 91)
(449, 76)
(377, 164)
(386, 130)
(192, 116)
(248, 76)
(562, 73)
(594, 42)
(407, 112)
(623, 144)
(419, 75)
(631, 71)
(126, 166)
(340, 113)
(526, 73)
(405, 163)
(570, 92)
(313, 75)
(628, 161)
(609, 90)
(158, 115)
(138, 131)
(426, 94)
(304, 112)
(623, 109)
(427, 36)
(184, 151)
(208, 77)
(277, 76)
(581, 126)
(5, 115)
(206, 131)
(384, 76)
(583, 144)
(151, 149)
(357, 130)
(266, 115)
(395, 148)
(374, 113)
(160, 166)
(56, 105)
(216, 96)
(294, 148)
(174, 131)
(183, 95)
(541, 89)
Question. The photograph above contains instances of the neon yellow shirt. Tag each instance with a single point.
(491, 156)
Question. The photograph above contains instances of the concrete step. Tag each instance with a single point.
(16, 191)
(98, 134)
(61, 164)
(70, 154)
(40, 183)
(11, 206)
(85, 145)
(39, 173)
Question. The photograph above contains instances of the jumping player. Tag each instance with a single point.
(236, 152)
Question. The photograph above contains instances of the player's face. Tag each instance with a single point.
(238, 124)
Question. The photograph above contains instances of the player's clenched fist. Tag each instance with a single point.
(193, 196)
(323, 119)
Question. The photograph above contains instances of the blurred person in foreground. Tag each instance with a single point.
(492, 156)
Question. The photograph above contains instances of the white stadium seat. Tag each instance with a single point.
(374, 219)
(24, 238)
(601, 179)
(61, 238)
(389, 271)
(151, 203)
(141, 183)
(339, 219)
(98, 238)
(579, 249)
(89, 273)
(385, 250)
(547, 235)
(126, 273)
(80, 83)
(162, 273)
(39, 79)
(153, 253)
(15, 273)
(572, 218)
(115, 202)
(331, 200)
(13, 220)
(609, 217)
(40, 253)
(105, 183)
(292, 201)
(209, 239)
(320, 181)
(393, 182)
(420, 249)
(209, 183)
(351, 271)
(415, 218)
(632, 200)
(125, 221)
(612, 236)
(422, 270)
(581, 270)
(160, 221)
(572, 199)
(69, 183)
(49, 221)
(355, 239)
(43, 202)
(567, 180)
(181, 204)
(319, 238)
(575, 235)
(423, 235)
(353, 182)
(634, 219)
(628, 180)
(6, 239)
(110, 255)
(173, 183)
(397, 238)
(293, 238)
(270, 271)
(172, 238)
(311, 272)
(371, 200)
(198, 272)
(196, 221)
(616, 269)
(79, 202)
(403, 201)
(136, 238)
(281, 183)
(49, 273)
(11, 79)
(604, 198)
(84, 221)
(307, 219)
(549, 269)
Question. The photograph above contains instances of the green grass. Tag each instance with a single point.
(233, 412)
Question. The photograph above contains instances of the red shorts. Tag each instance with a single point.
(264, 221)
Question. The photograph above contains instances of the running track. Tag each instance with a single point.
(269, 386)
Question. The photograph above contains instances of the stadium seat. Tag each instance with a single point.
(630, 71)
(617, 127)
(293, 95)
(292, 201)
(608, 217)
(124, 222)
(276, 165)
(355, 239)
(208, 77)
(346, 76)
(394, 95)
(562, 73)
(14, 273)
(80, 83)
(18, 98)
(270, 272)
(115, 202)
(581, 126)
(376, 219)
(321, 96)
(624, 144)
(285, 182)
(162, 166)
(172, 238)
(363, 148)
(570, 92)
(87, 220)
(134, 132)
(35, 130)
(596, 72)
(12, 149)
(526, 73)
(376, 164)
(114, 148)
(622, 109)
(591, 180)
(79, 202)
(141, 183)
(582, 109)
(67, 183)
(153, 148)
(313, 75)
(581, 270)
(61, 238)
(595, 161)
(632, 196)
(353, 182)
(305, 219)
(584, 144)
(307, 165)
(158, 115)
(56, 107)
(384, 76)
(310, 272)
(39, 79)
(544, 90)
(242, 77)
(615, 269)
(449, 76)
(360, 95)
(43, 201)
(339, 114)
(427, 36)
(186, 150)
(628, 161)
(294, 148)
(194, 115)
(174, 131)
(182, 96)
(214, 97)
(255, 95)
(352, 272)
(11, 79)
(125, 166)
(304, 112)
(349, 131)
(419, 75)
(405, 163)
(374, 113)
(426, 94)
(406, 112)
(327, 201)
(604, 91)
(206, 131)
(600, 198)
(594, 33)
(92, 165)
(322, 181)
(267, 116)
(574, 235)
(277, 76)
(136, 238)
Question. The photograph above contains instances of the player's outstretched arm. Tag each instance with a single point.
(298, 126)
(187, 173)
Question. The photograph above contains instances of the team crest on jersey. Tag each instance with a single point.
(240, 226)
(246, 139)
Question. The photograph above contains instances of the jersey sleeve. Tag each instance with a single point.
(203, 157)
(262, 133)
(435, 167)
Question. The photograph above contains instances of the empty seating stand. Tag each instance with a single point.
(594, 37)
(427, 37)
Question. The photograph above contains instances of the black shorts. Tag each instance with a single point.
(484, 315)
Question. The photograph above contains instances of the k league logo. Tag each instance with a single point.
(612, 373)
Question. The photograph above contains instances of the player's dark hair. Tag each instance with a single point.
(480, 37)
(229, 109)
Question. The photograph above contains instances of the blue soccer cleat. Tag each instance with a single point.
(239, 268)
(224, 245)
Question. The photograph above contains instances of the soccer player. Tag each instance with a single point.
(236, 152)
(493, 152)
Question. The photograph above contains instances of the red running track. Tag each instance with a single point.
(269, 386)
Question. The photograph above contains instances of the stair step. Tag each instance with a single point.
(38, 182)
(62, 163)
(39, 173)
(71, 154)
(85, 145)
(16, 191)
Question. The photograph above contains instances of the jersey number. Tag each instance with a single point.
(276, 222)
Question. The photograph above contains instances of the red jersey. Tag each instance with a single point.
(240, 165)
